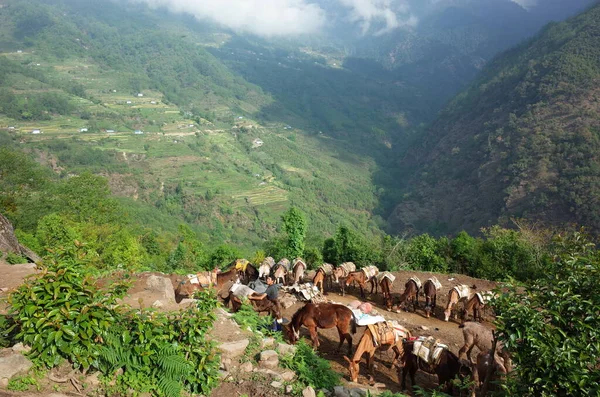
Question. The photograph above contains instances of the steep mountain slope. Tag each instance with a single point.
(522, 141)
(212, 149)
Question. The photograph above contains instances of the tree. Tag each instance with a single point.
(552, 328)
(294, 224)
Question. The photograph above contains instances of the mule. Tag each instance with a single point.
(446, 369)
(410, 294)
(323, 275)
(475, 334)
(265, 267)
(221, 281)
(341, 272)
(246, 271)
(430, 292)
(323, 315)
(362, 278)
(487, 366)
(476, 304)
(367, 345)
(459, 293)
(298, 269)
(279, 273)
(386, 288)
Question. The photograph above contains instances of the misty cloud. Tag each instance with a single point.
(526, 3)
(261, 17)
(385, 15)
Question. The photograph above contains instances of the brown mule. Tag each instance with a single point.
(361, 278)
(386, 287)
(447, 367)
(430, 292)
(218, 280)
(410, 294)
(367, 345)
(324, 275)
(323, 315)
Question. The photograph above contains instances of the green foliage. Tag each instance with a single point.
(23, 383)
(294, 224)
(311, 369)
(551, 327)
(246, 316)
(349, 246)
(62, 314)
(15, 259)
(424, 253)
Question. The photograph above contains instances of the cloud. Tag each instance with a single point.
(383, 14)
(265, 18)
(525, 3)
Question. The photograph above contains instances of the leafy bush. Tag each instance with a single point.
(15, 259)
(246, 316)
(62, 314)
(164, 353)
(311, 369)
(552, 328)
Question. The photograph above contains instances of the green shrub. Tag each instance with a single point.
(62, 314)
(163, 353)
(15, 259)
(311, 369)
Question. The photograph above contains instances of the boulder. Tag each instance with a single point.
(162, 286)
(246, 367)
(20, 348)
(309, 392)
(14, 364)
(288, 376)
(234, 349)
(340, 391)
(268, 359)
(276, 384)
(8, 241)
(285, 348)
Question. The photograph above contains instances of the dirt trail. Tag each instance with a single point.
(446, 332)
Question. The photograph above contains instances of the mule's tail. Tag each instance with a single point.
(353, 330)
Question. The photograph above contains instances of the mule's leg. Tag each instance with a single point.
(314, 336)
(370, 364)
(342, 339)
(362, 290)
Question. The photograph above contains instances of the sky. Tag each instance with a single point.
(270, 18)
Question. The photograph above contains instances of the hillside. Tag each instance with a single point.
(216, 151)
(522, 141)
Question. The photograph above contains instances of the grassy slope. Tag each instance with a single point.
(207, 174)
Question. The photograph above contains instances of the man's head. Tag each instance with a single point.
(270, 280)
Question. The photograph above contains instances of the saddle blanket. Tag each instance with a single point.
(387, 332)
(363, 319)
(348, 267)
(387, 275)
(416, 280)
(241, 290)
(268, 261)
(327, 268)
(464, 291)
(285, 262)
(484, 297)
(428, 349)
(241, 264)
(370, 271)
(436, 282)
(305, 292)
(203, 278)
(298, 261)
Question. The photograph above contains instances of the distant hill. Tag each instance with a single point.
(522, 141)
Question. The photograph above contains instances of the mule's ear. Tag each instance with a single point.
(347, 359)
